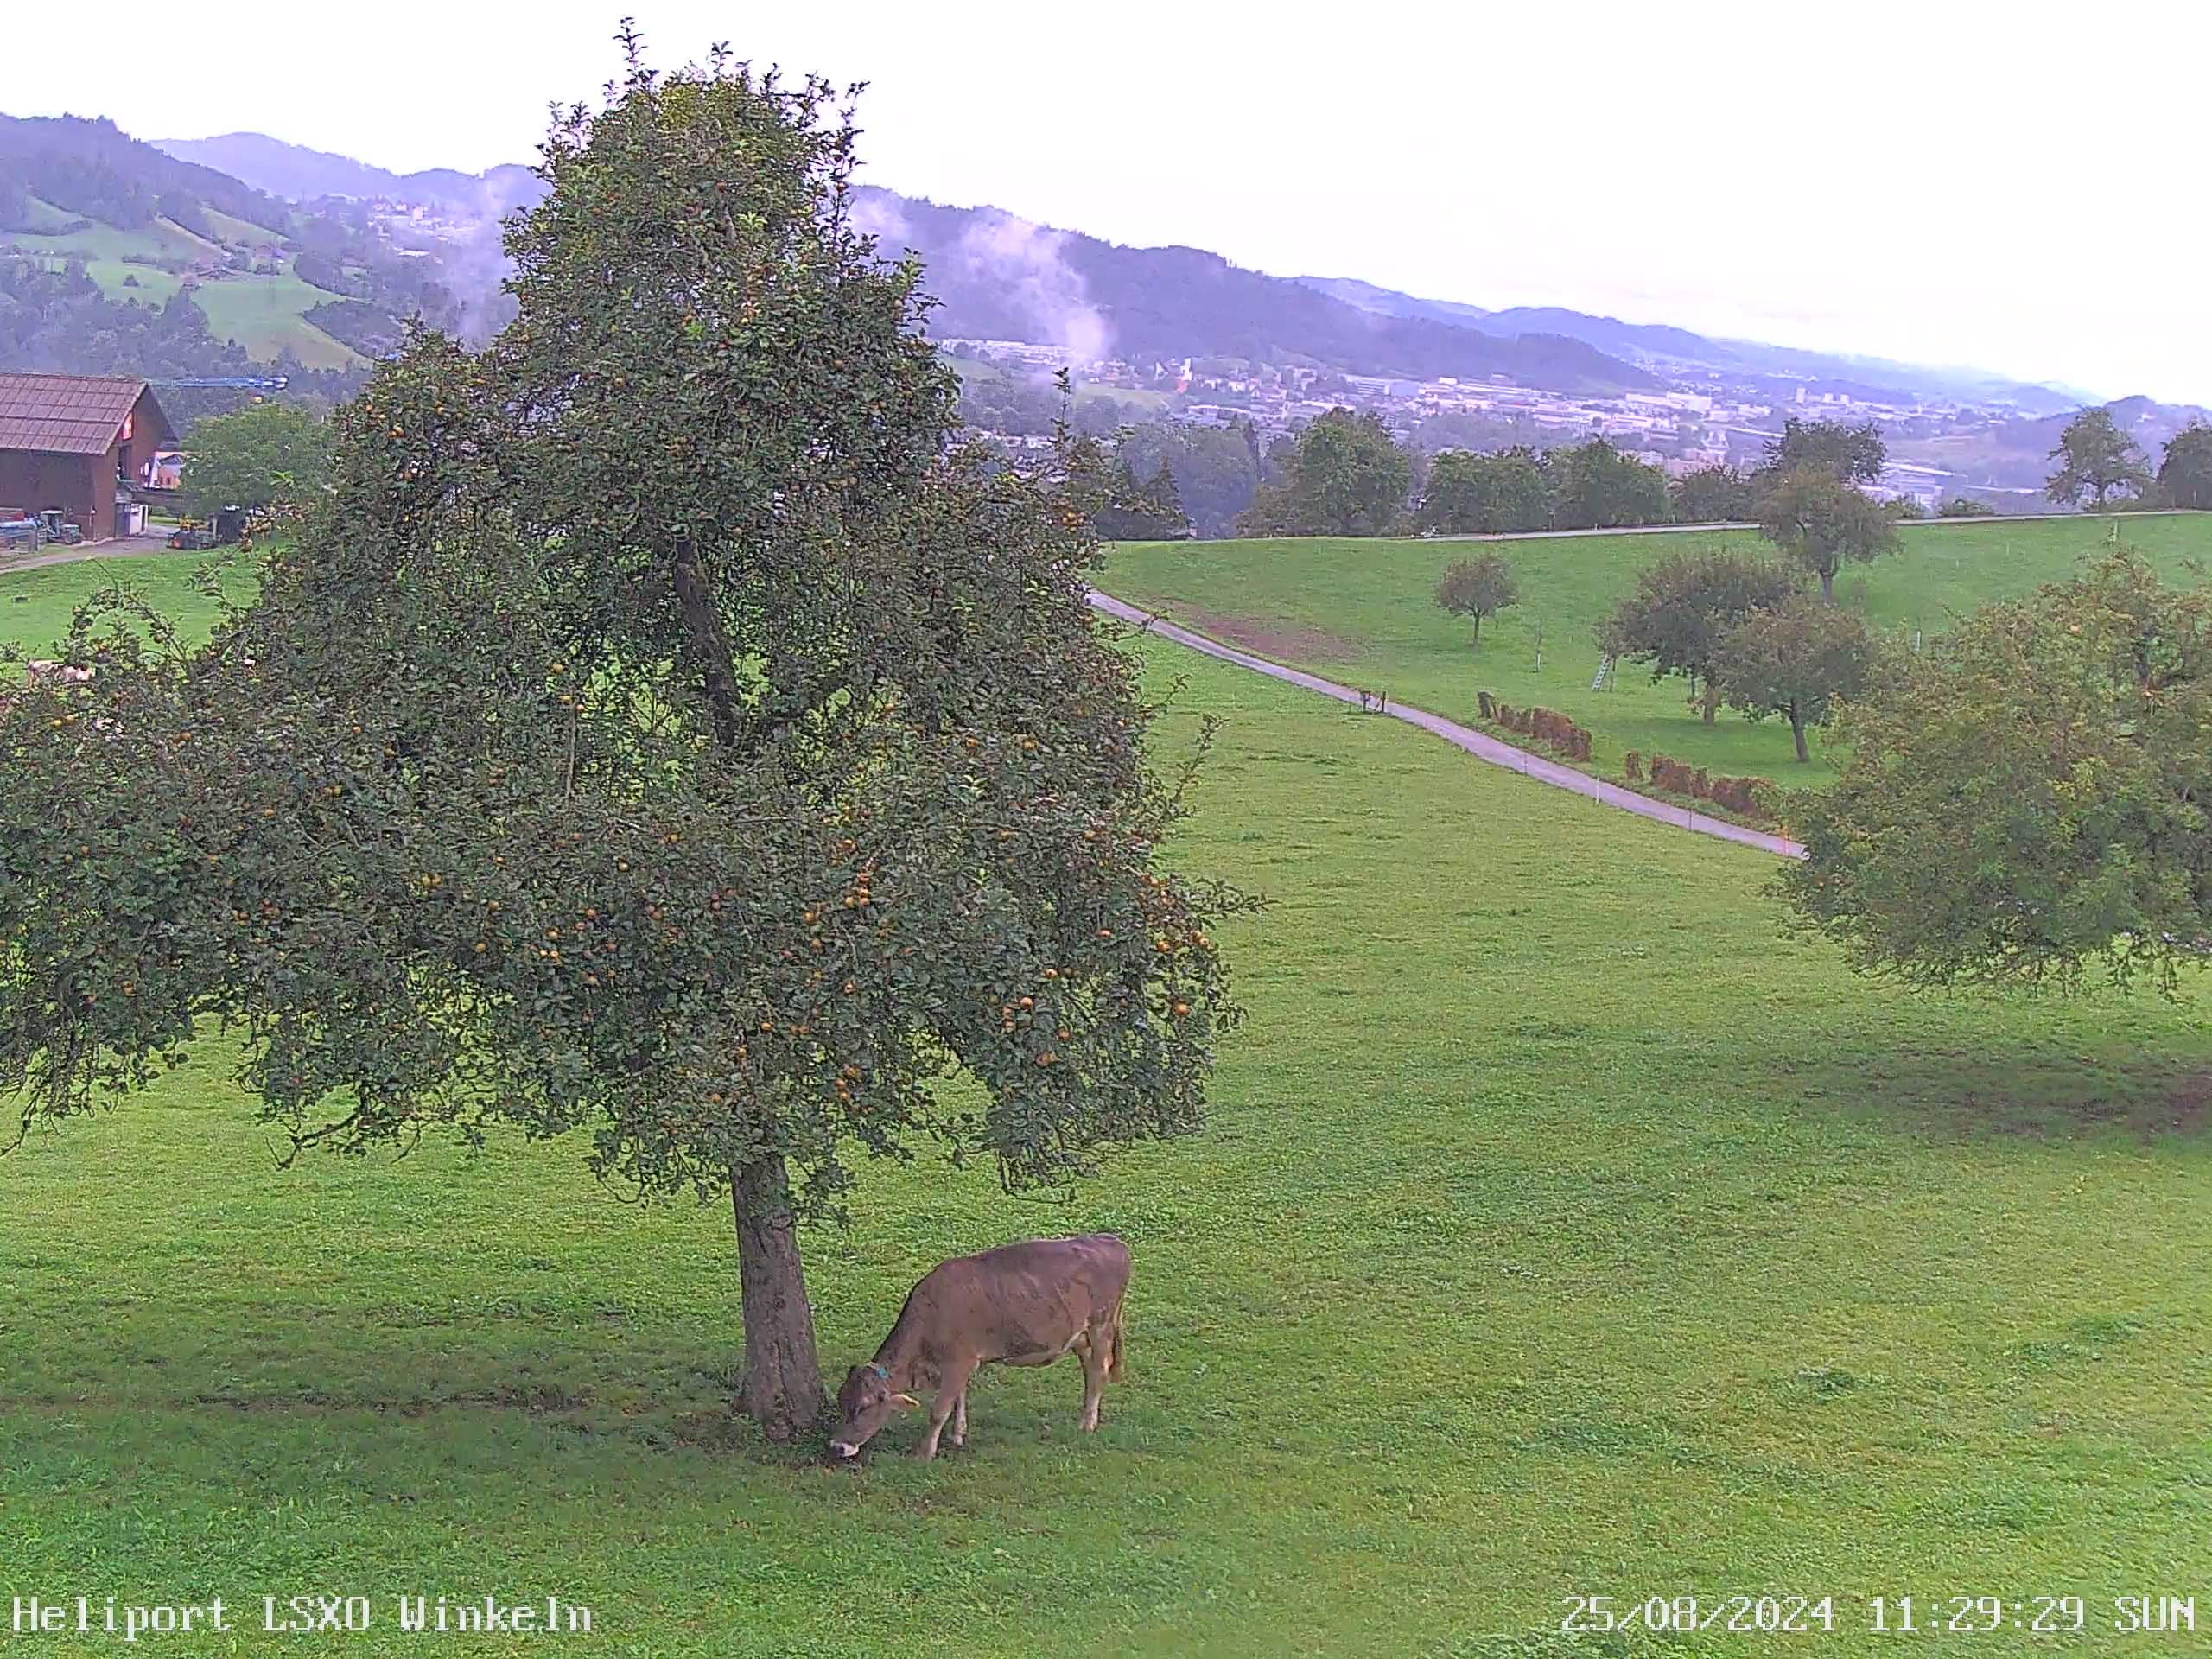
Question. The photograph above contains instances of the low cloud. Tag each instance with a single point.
(1028, 263)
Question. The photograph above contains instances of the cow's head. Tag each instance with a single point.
(864, 1405)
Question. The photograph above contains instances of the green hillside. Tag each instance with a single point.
(266, 314)
(1560, 1231)
(1363, 612)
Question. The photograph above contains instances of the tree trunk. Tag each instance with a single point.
(1827, 586)
(1797, 731)
(1478, 627)
(782, 1388)
(1711, 698)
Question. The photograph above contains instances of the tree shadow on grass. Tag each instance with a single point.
(2050, 1092)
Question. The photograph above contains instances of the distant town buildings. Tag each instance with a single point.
(1681, 428)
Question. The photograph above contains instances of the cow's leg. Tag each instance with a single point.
(948, 1397)
(1095, 1355)
(960, 1418)
(1119, 1331)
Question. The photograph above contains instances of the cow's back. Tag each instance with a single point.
(1028, 1300)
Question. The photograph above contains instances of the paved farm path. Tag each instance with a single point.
(1478, 744)
(123, 547)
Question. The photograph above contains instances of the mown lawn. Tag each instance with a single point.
(36, 606)
(1560, 1230)
(1365, 612)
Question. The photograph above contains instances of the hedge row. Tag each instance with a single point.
(1546, 725)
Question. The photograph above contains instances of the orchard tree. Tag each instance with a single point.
(1472, 494)
(1711, 495)
(1855, 454)
(1477, 587)
(1683, 607)
(1597, 487)
(1794, 661)
(2095, 458)
(262, 455)
(1819, 521)
(1347, 476)
(662, 732)
(2185, 470)
(2026, 801)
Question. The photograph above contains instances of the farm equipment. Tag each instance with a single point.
(56, 529)
(191, 536)
(21, 534)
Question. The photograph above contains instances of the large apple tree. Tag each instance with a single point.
(665, 728)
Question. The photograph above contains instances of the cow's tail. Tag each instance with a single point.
(1120, 1334)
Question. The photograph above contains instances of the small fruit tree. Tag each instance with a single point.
(1477, 587)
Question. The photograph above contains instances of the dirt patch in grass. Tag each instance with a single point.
(1284, 641)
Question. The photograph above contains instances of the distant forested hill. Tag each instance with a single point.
(995, 276)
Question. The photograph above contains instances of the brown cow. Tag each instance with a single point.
(1023, 1304)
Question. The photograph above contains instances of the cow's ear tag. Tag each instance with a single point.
(907, 1400)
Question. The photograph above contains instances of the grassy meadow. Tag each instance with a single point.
(1560, 1230)
(265, 315)
(1364, 613)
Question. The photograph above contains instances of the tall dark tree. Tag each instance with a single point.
(1215, 469)
(1346, 476)
(662, 729)
(2095, 458)
(1854, 454)
(1595, 487)
(1711, 495)
(2185, 470)
(1472, 494)
(1820, 521)
(1683, 609)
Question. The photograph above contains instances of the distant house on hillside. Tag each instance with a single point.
(76, 443)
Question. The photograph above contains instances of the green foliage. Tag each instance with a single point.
(2026, 799)
(1711, 495)
(263, 456)
(2185, 470)
(1795, 660)
(1855, 454)
(1216, 468)
(1142, 509)
(2095, 458)
(1683, 608)
(1965, 506)
(1485, 494)
(1323, 605)
(1347, 476)
(1479, 587)
(1818, 520)
(1594, 486)
(659, 729)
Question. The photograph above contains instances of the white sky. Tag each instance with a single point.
(2006, 185)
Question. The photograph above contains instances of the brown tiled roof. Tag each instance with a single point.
(64, 414)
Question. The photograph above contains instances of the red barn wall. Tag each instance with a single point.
(83, 487)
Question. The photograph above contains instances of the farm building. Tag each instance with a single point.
(75, 442)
